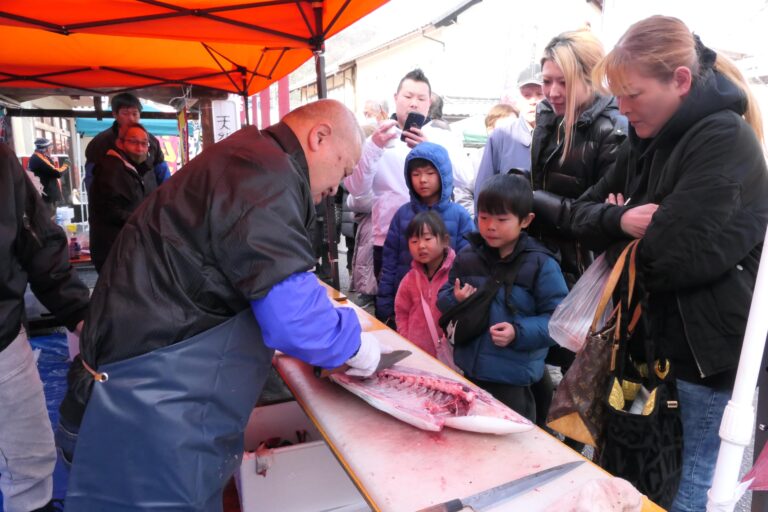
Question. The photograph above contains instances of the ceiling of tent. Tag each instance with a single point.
(83, 47)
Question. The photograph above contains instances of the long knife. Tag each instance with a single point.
(492, 497)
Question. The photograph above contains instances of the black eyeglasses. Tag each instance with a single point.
(135, 142)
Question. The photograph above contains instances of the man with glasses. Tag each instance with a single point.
(121, 180)
(126, 109)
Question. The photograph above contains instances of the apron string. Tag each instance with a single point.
(97, 376)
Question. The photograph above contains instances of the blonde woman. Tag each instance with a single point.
(691, 182)
(574, 142)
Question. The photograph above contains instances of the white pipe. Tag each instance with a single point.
(739, 416)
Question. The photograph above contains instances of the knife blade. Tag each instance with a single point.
(386, 361)
(495, 495)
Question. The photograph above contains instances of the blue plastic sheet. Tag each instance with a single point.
(53, 366)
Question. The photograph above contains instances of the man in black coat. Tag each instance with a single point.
(32, 250)
(42, 166)
(126, 109)
(207, 278)
(121, 181)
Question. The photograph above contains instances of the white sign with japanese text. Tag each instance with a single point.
(225, 119)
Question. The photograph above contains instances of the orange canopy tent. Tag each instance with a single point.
(94, 47)
(105, 46)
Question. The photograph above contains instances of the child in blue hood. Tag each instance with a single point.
(429, 176)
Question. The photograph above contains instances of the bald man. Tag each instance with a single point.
(208, 277)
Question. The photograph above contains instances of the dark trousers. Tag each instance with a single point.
(518, 398)
(378, 253)
(760, 498)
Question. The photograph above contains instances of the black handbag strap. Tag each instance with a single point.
(506, 275)
(629, 317)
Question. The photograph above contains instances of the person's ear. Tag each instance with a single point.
(527, 220)
(682, 79)
(318, 135)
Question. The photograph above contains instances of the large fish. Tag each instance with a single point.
(430, 401)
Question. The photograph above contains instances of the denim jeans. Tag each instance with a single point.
(66, 439)
(27, 453)
(701, 409)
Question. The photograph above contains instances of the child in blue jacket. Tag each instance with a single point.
(429, 176)
(509, 357)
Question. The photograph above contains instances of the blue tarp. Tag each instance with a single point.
(90, 127)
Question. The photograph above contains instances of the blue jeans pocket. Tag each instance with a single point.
(66, 440)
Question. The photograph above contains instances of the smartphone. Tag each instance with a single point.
(413, 119)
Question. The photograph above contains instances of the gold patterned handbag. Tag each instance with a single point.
(578, 406)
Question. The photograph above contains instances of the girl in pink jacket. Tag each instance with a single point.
(416, 312)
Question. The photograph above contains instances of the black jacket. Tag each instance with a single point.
(599, 131)
(49, 175)
(699, 256)
(105, 140)
(32, 249)
(220, 233)
(119, 186)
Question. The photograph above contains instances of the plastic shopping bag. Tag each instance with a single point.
(572, 319)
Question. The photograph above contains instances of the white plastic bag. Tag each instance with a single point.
(572, 319)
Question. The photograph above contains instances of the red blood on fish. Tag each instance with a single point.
(430, 401)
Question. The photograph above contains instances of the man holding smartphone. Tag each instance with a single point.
(380, 171)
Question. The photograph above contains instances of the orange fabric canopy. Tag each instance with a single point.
(104, 46)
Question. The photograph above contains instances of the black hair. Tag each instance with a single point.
(505, 194)
(419, 162)
(417, 75)
(124, 100)
(427, 220)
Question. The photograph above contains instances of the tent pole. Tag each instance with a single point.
(322, 92)
(245, 108)
(739, 415)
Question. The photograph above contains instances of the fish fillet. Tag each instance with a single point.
(430, 401)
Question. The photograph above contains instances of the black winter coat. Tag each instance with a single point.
(105, 140)
(49, 175)
(699, 256)
(32, 249)
(119, 186)
(599, 131)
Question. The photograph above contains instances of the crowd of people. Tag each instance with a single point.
(659, 140)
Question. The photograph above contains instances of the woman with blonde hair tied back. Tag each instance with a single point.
(578, 131)
(691, 183)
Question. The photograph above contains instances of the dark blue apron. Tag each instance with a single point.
(165, 430)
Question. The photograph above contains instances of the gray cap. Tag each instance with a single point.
(42, 142)
(530, 75)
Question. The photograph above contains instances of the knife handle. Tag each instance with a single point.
(448, 506)
(322, 373)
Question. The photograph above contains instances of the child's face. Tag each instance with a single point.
(426, 183)
(426, 248)
(502, 231)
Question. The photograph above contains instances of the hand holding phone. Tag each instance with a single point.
(413, 119)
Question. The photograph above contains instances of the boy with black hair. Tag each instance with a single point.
(507, 358)
(126, 109)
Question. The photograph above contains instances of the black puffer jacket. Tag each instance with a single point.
(699, 256)
(32, 249)
(600, 130)
(119, 186)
